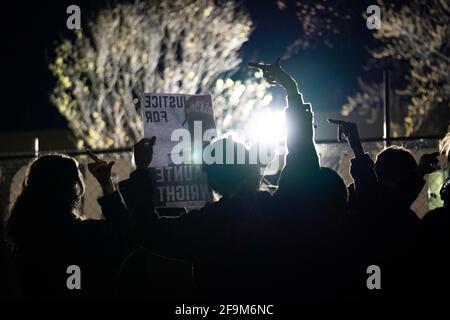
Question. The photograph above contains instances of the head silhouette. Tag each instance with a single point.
(51, 195)
(231, 172)
(393, 165)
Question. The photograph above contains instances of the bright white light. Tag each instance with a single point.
(267, 126)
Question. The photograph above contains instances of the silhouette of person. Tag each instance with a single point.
(400, 181)
(47, 232)
(221, 239)
(311, 204)
(436, 224)
(380, 198)
(302, 164)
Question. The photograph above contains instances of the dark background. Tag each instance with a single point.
(326, 76)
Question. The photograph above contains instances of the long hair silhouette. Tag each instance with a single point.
(51, 195)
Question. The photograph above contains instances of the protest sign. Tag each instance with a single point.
(185, 184)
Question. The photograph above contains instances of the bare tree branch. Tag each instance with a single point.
(176, 46)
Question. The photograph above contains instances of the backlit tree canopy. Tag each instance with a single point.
(415, 34)
(173, 46)
(320, 22)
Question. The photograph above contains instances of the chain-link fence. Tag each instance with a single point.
(13, 169)
(333, 155)
(337, 156)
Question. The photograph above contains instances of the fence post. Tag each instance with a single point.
(36, 146)
(387, 107)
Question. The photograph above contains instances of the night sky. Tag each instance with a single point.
(326, 76)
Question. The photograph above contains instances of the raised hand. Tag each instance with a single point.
(427, 163)
(143, 152)
(350, 131)
(101, 170)
(274, 74)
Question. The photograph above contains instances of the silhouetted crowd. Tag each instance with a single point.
(313, 238)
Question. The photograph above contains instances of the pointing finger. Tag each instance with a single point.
(93, 156)
(337, 122)
(110, 165)
(258, 65)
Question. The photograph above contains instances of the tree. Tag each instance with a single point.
(320, 23)
(412, 43)
(414, 38)
(176, 46)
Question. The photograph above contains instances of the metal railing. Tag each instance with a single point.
(334, 154)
